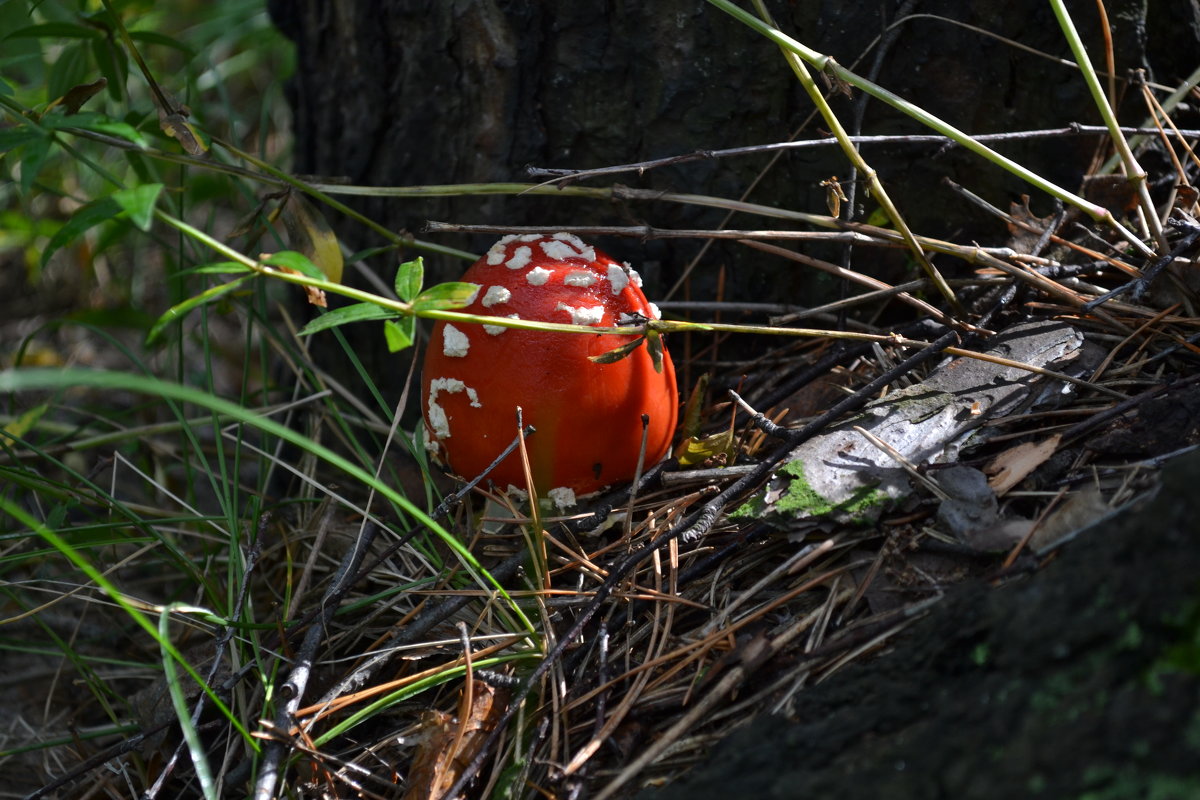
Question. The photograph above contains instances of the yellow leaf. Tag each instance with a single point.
(309, 233)
(695, 451)
(24, 423)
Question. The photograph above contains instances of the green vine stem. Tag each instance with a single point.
(659, 326)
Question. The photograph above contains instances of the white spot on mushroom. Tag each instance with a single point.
(520, 494)
(496, 330)
(583, 315)
(494, 295)
(455, 343)
(496, 252)
(579, 277)
(538, 276)
(633, 275)
(618, 278)
(558, 250)
(438, 420)
(530, 237)
(562, 496)
(520, 259)
(654, 312)
(581, 249)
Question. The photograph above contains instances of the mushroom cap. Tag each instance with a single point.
(588, 416)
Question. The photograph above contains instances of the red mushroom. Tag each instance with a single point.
(588, 415)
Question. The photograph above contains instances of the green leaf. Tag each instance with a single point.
(139, 203)
(399, 334)
(19, 427)
(358, 312)
(618, 353)
(296, 262)
(92, 121)
(56, 30)
(86, 218)
(153, 37)
(655, 346)
(446, 296)
(12, 138)
(71, 69)
(33, 156)
(179, 702)
(181, 310)
(113, 64)
(409, 279)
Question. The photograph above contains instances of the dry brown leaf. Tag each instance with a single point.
(315, 296)
(1026, 228)
(74, 99)
(1012, 466)
(448, 746)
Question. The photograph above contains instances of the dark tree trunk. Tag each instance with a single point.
(454, 91)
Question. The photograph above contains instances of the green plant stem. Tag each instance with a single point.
(830, 67)
(871, 176)
(661, 326)
(1133, 171)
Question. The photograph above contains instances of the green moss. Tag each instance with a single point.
(801, 500)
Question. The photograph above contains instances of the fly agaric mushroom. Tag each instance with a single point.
(588, 415)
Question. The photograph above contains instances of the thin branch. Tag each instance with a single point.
(569, 175)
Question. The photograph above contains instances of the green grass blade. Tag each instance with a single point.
(179, 702)
(136, 614)
(21, 380)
